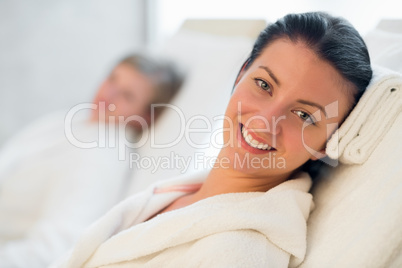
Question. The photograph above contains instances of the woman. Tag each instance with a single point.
(304, 75)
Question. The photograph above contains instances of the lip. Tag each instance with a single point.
(247, 147)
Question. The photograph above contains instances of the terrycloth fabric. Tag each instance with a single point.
(357, 217)
(251, 229)
(50, 190)
(372, 117)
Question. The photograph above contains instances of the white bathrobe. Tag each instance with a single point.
(253, 229)
(50, 190)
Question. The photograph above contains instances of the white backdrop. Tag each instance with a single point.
(363, 14)
(54, 53)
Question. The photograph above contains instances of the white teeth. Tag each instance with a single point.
(252, 142)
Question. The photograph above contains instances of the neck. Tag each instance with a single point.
(228, 180)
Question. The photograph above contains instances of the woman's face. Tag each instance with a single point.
(125, 92)
(284, 108)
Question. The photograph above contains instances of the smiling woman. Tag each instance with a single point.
(276, 104)
(301, 80)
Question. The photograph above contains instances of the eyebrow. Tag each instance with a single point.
(270, 74)
(313, 104)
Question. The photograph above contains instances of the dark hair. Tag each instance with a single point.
(333, 39)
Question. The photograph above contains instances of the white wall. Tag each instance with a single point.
(54, 53)
(363, 14)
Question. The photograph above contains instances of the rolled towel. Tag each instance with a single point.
(371, 118)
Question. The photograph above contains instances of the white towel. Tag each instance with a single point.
(370, 120)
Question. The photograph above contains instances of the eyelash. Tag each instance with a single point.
(259, 83)
(310, 117)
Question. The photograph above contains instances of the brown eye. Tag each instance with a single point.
(305, 116)
(264, 85)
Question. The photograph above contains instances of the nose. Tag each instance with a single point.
(270, 116)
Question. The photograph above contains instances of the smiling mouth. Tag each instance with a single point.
(254, 143)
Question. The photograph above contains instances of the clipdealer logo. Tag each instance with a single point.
(117, 138)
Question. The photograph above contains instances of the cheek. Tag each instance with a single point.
(301, 141)
(298, 148)
(240, 102)
(107, 92)
(126, 110)
(314, 139)
(101, 92)
(230, 122)
(118, 108)
(293, 139)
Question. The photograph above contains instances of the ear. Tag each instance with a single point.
(318, 155)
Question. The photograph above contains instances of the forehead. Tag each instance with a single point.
(300, 71)
(133, 80)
